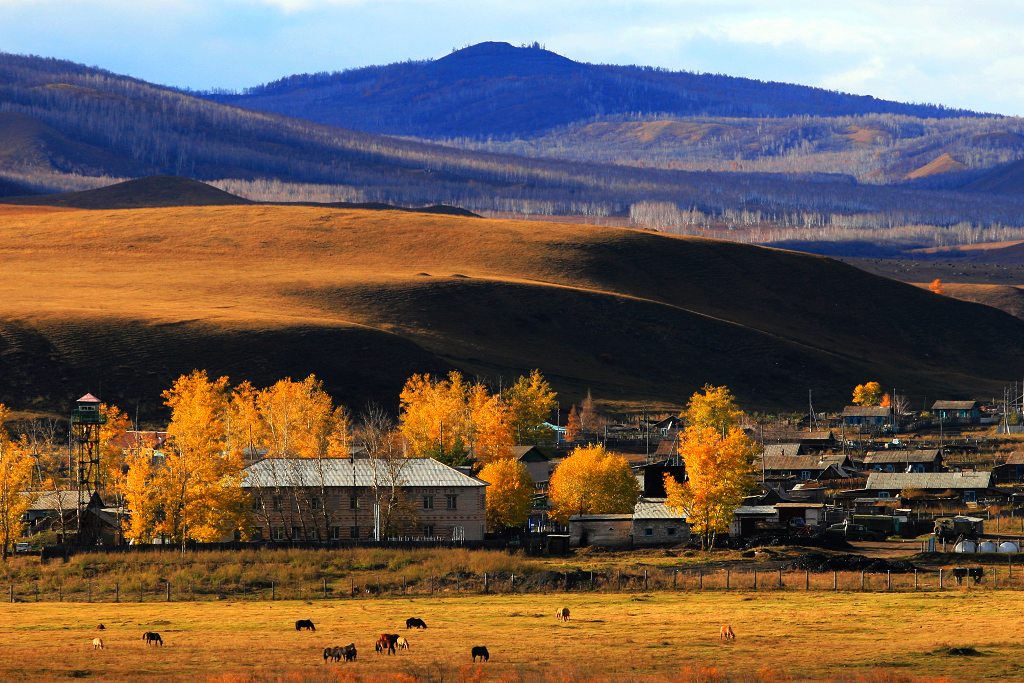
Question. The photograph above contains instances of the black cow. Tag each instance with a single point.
(481, 652)
(304, 624)
(961, 573)
(415, 622)
(153, 638)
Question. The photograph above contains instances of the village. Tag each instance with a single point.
(950, 476)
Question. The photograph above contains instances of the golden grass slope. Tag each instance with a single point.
(128, 298)
(624, 637)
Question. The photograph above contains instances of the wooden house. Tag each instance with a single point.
(868, 418)
(968, 487)
(919, 460)
(957, 412)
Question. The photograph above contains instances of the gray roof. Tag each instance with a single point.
(928, 480)
(954, 405)
(866, 411)
(655, 508)
(896, 457)
(56, 500)
(783, 449)
(755, 510)
(287, 472)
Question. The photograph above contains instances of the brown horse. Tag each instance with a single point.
(387, 641)
(97, 643)
(727, 633)
(562, 614)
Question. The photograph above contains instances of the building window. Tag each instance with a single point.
(804, 474)
(335, 533)
(428, 530)
(353, 502)
(278, 533)
(257, 503)
(451, 501)
(314, 503)
(970, 496)
(276, 503)
(296, 533)
(428, 502)
(883, 494)
(648, 531)
(671, 531)
(353, 532)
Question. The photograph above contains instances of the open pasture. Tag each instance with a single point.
(874, 637)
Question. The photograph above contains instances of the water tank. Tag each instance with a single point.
(987, 547)
(965, 547)
(1008, 547)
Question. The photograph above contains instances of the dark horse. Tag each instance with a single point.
(387, 642)
(415, 622)
(304, 624)
(152, 637)
(481, 652)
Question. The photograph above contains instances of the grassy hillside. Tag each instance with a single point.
(119, 302)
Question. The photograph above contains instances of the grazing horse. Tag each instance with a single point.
(387, 642)
(349, 652)
(332, 653)
(727, 633)
(100, 627)
(153, 638)
(481, 652)
(562, 614)
(97, 643)
(402, 643)
(415, 622)
(304, 624)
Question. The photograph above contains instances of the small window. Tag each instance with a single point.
(277, 503)
(428, 502)
(428, 530)
(257, 503)
(451, 501)
(883, 494)
(970, 496)
(805, 474)
(296, 533)
(278, 533)
(335, 533)
(353, 502)
(314, 503)
(353, 532)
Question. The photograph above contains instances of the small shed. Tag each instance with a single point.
(747, 518)
(655, 523)
(1011, 471)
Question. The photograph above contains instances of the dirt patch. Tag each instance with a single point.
(820, 562)
(961, 652)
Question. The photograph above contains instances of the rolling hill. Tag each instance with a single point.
(120, 301)
(496, 89)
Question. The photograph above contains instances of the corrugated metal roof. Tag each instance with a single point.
(928, 480)
(56, 500)
(788, 450)
(885, 457)
(352, 472)
(802, 462)
(755, 510)
(655, 508)
(866, 411)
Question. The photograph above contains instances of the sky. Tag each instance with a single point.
(964, 53)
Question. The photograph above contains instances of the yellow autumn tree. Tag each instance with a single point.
(573, 426)
(719, 457)
(510, 494)
(590, 480)
(112, 456)
(867, 394)
(199, 485)
(15, 480)
(936, 286)
(434, 417)
(491, 429)
(136, 486)
(530, 402)
(713, 407)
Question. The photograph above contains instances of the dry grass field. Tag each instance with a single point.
(127, 299)
(869, 638)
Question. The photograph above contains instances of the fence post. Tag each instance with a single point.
(835, 580)
(807, 579)
(432, 584)
(325, 588)
(675, 577)
(915, 579)
(591, 580)
(192, 591)
(37, 591)
(273, 590)
(645, 579)
(352, 587)
(60, 592)
(117, 591)
(700, 579)
(618, 581)
(780, 577)
(727, 575)
(167, 585)
(90, 592)
(888, 580)
(755, 579)
(404, 586)
(486, 587)
(141, 596)
(862, 579)
(940, 579)
(12, 592)
(513, 584)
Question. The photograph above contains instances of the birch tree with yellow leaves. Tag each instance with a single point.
(719, 458)
(15, 479)
(590, 480)
(510, 494)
